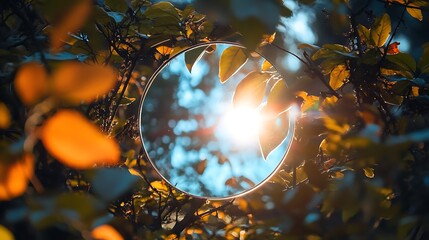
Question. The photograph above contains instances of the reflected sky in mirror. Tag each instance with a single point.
(193, 136)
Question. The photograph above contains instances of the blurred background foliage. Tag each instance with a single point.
(71, 164)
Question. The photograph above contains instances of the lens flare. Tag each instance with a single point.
(242, 125)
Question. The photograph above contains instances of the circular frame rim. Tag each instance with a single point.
(291, 132)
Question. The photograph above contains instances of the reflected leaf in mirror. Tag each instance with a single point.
(280, 98)
(231, 60)
(273, 132)
(251, 90)
(192, 56)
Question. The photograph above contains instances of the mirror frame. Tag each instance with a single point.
(292, 123)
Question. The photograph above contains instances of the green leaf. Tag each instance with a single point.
(111, 183)
(338, 76)
(273, 131)
(117, 5)
(330, 63)
(364, 33)
(125, 101)
(380, 30)
(333, 51)
(251, 90)
(193, 56)
(280, 98)
(231, 60)
(403, 61)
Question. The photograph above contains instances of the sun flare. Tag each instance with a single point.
(243, 125)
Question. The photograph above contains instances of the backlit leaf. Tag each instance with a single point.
(250, 91)
(338, 76)
(266, 65)
(75, 82)
(380, 30)
(31, 82)
(310, 101)
(273, 131)
(76, 142)
(14, 177)
(393, 48)
(192, 56)
(231, 60)
(279, 98)
(415, 12)
(364, 33)
(404, 61)
(369, 172)
(162, 51)
(6, 234)
(70, 23)
(4, 116)
(106, 232)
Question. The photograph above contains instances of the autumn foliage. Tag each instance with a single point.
(71, 160)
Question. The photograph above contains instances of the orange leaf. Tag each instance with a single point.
(76, 82)
(76, 142)
(251, 90)
(4, 116)
(70, 23)
(14, 177)
(266, 65)
(106, 232)
(31, 82)
(162, 51)
(393, 48)
(6, 234)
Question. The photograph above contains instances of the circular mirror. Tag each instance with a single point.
(215, 121)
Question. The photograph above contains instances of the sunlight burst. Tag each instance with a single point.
(243, 125)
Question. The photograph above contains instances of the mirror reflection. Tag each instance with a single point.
(214, 121)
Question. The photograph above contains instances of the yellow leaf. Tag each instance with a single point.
(250, 91)
(76, 142)
(267, 39)
(338, 76)
(310, 101)
(380, 30)
(415, 91)
(369, 172)
(31, 82)
(159, 185)
(6, 234)
(162, 51)
(266, 65)
(75, 82)
(231, 60)
(4, 116)
(69, 23)
(106, 232)
(14, 177)
(415, 12)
